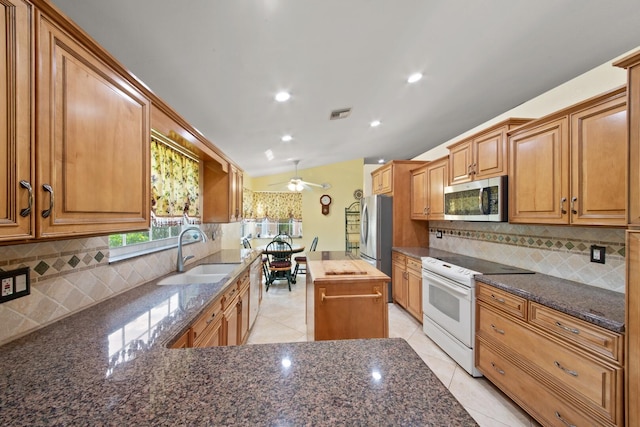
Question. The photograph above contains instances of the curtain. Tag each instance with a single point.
(175, 190)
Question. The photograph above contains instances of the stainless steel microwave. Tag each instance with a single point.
(482, 200)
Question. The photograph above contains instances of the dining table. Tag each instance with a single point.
(278, 275)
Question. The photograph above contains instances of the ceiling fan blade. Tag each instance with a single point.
(324, 185)
(279, 183)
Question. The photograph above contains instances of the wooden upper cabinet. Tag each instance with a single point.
(483, 155)
(382, 179)
(93, 142)
(598, 163)
(222, 193)
(569, 167)
(419, 204)
(427, 190)
(17, 172)
(539, 178)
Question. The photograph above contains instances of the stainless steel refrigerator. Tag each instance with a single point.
(376, 233)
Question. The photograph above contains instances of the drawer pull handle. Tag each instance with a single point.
(211, 318)
(498, 370)
(377, 294)
(568, 371)
(565, 422)
(48, 189)
(562, 209)
(26, 211)
(566, 328)
(500, 331)
(500, 300)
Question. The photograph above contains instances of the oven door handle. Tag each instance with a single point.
(444, 283)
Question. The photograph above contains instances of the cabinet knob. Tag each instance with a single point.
(562, 209)
(573, 203)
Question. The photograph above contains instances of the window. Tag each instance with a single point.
(175, 200)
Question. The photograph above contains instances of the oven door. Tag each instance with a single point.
(449, 304)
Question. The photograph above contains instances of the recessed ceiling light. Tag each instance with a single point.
(375, 123)
(414, 77)
(286, 138)
(381, 161)
(282, 96)
(269, 155)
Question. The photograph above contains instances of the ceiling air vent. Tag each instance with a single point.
(343, 113)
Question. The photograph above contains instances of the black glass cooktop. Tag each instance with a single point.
(482, 266)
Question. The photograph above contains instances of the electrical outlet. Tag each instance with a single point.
(597, 254)
(7, 286)
(14, 284)
(438, 234)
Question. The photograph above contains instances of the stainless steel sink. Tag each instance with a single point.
(204, 273)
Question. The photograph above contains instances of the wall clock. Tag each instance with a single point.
(357, 194)
(325, 201)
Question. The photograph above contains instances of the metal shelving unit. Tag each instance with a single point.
(352, 228)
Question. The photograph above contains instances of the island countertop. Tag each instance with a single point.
(109, 365)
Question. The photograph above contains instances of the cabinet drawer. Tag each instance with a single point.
(210, 315)
(398, 257)
(596, 383)
(584, 334)
(414, 264)
(502, 300)
(548, 408)
(229, 295)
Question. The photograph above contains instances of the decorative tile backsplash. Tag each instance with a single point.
(557, 251)
(70, 275)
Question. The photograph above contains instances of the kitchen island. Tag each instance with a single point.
(345, 300)
(110, 365)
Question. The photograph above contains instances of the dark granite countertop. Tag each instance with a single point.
(595, 305)
(109, 365)
(599, 306)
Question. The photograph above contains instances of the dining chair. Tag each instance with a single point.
(283, 237)
(278, 262)
(301, 261)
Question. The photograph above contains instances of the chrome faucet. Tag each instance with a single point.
(181, 260)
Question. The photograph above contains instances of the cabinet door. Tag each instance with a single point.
(244, 315)
(490, 155)
(437, 179)
(182, 342)
(231, 323)
(382, 180)
(414, 292)
(460, 162)
(539, 174)
(419, 204)
(598, 164)
(632, 327)
(16, 122)
(235, 194)
(93, 142)
(399, 283)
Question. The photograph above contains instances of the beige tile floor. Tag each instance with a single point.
(282, 319)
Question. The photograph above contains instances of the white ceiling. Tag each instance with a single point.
(219, 63)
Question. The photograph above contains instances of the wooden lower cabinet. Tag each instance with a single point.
(407, 284)
(558, 379)
(223, 322)
(243, 331)
(206, 331)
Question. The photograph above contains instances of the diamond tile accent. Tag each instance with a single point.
(41, 268)
(569, 245)
(87, 259)
(74, 261)
(99, 256)
(59, 264)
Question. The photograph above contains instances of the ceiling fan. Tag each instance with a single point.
(296, 183)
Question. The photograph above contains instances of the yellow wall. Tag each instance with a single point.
(344, 177)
